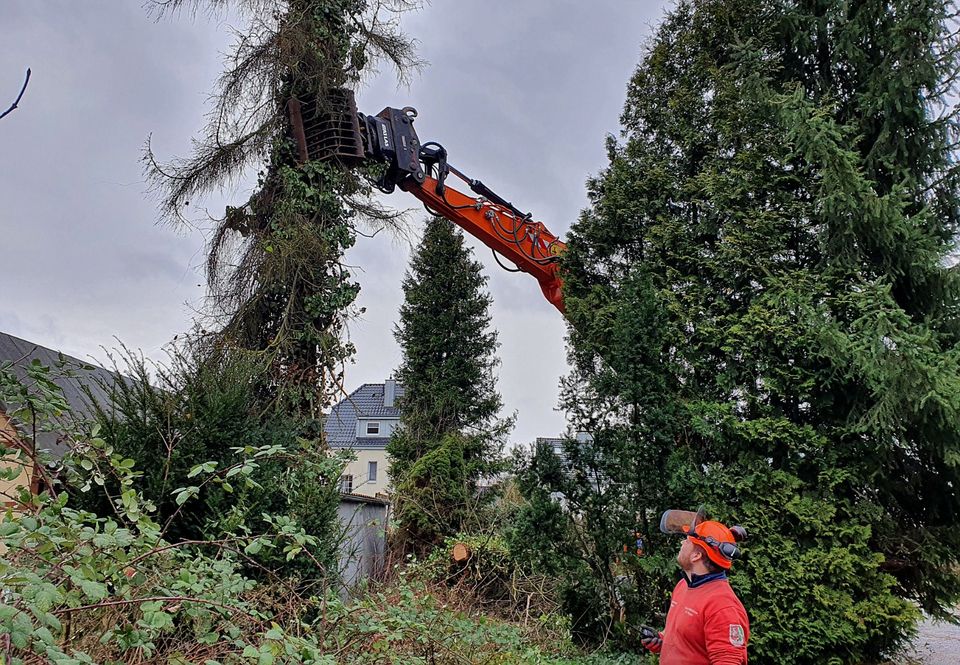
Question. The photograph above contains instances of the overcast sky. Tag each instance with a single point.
(522, 93)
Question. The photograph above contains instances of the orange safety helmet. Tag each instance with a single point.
(718, 541)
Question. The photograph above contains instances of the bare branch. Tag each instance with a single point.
(151, 599)
(19, 97)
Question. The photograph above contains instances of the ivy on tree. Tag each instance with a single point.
(276, 279)
(270, 351)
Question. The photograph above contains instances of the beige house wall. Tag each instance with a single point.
(359, 469)
(9, 488)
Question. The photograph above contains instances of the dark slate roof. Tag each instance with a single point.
(364, 402)
(555, 444)
(552, 441)
(71, 378)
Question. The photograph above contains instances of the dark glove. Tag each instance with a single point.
(650, 639)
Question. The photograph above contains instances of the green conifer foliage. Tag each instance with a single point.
(763, 320)
(450, 434)
(201, 409)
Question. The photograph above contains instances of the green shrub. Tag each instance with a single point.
(82, 588)
(200, 418)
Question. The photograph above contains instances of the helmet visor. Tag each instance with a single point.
(680, 521)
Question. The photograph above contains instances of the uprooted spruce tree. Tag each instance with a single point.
(764, 320)
(450, 436)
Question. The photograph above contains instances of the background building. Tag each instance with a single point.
(363, 423)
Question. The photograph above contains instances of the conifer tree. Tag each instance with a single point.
(450, 434)
(763, 319)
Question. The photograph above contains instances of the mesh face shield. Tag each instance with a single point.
(681, 521)
(713, 536)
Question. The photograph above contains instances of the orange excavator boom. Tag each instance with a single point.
(330, 128)
(526, 243)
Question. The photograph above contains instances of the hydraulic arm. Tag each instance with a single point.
(332, 128)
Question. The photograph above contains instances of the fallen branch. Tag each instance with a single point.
(150, 599)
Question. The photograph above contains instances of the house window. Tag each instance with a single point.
(373, 428)
(346, 484)
(372, 472)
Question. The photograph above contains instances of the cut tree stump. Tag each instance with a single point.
(460, 553)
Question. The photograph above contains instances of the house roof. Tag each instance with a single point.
(556, 445)
(554, 442)
(349, 497)
(364, 402)
(70, 374)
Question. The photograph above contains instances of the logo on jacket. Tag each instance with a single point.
(737, 637)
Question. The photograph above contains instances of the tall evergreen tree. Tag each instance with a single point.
(763, 318)
(450, 434)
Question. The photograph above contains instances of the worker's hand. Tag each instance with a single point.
(650, 639)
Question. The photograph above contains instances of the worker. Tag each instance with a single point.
(706, 622)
